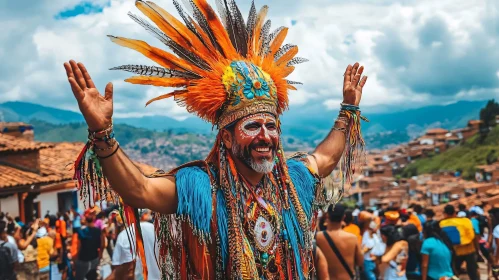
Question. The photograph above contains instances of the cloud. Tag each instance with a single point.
(416, 53)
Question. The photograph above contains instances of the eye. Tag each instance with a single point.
(252, 126)
(271, 126)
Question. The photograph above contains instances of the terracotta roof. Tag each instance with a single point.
(452, 138)
(13, 144)
(55, 166)
(436, 131)
(474, 122)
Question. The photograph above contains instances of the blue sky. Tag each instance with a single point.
(416, 53)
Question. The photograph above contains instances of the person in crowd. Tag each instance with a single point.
(351, 227)
(60, 226)
(462, 235)
(45, 251)
(412, 235)
(76, 219)
(124, 256)
(341, 249)
(355, 214)
(396, 253)
(8, 255)
(436, 253)
(27, 243)
(429, 214)
(418, 210)
(479, 223)
(494, 239)
(89, 248)
(463, 212)
(391, 216)
(372, 245)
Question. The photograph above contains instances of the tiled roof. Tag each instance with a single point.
(14, 144)
(436, 130)
(56, 165)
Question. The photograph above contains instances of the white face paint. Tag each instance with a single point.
(252, 125)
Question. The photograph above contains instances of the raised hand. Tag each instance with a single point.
(96, 109)
(353, 84)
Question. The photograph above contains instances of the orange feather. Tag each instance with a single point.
(157, 81)
(159, 56)
(256, 43)
(217, 28)
(274, 47)
(285, 58)
(168, 95)
(174, 29)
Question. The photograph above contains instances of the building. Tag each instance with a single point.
(36, 177)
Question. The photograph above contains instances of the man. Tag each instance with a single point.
(462, 235)
(341, 248)
(89, 249)
(124, 253)
(8, 255)
(76, 219)
(350, 226)
(245, 211)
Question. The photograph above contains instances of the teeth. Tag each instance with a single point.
(262, 149)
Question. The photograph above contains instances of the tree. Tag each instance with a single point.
(488, 114)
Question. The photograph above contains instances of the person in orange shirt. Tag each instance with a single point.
(60, 226)
(350, 226)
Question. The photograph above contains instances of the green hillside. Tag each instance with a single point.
(477, 150)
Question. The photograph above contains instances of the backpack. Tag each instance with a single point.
(6, 265)
(459, 230)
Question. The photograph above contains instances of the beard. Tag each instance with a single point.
(244, 155)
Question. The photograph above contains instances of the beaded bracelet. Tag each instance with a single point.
(107, 148)
(111, 154)
(108, 131)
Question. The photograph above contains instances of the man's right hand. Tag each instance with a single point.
(96, 109)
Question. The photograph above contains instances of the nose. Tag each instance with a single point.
(264, 135)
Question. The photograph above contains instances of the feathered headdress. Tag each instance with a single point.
(223, 66)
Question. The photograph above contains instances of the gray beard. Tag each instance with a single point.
(265, 166)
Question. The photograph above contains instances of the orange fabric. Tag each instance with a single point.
(355, 230)
(74, 245)
(392, 215)
(44, 248)
(60, 227)
(58, 241)
(413, 219)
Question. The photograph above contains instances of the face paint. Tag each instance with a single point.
(256, 140)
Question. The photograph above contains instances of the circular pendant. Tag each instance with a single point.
(264, 234)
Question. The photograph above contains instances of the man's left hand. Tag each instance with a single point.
(353, 84)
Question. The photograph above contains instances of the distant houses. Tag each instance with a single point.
(377, 185)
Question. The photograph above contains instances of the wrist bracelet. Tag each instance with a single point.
(108, 148)
(107, 131)
(341, 129)
(111, 154)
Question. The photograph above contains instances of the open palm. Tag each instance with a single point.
(96, 108)
(353, 84)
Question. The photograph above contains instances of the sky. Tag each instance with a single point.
(416, 53)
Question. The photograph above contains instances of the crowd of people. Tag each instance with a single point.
(93, 244)
(395, 243)
(389, 243)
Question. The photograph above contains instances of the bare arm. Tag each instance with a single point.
(393, 252)
(157, 194)
(359, 258)
(424, 266)
(321, 264)
(328, 153)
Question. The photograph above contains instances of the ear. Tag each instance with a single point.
(227, 138)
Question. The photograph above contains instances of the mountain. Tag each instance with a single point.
(383, 129)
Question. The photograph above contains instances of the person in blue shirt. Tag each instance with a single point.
(436, 253)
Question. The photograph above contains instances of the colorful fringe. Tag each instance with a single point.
(93, 187)
(354, 150)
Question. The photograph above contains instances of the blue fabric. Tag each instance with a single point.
(476, 225)
(422, 218)
(194, 197)
(304, 183)
(369, 268)
(391, 272)
(223, 231)
(439, 263)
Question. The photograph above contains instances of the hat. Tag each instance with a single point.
(477, 209)
(461, 214)
(224, 70)
(392, 215)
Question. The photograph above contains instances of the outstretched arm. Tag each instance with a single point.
(328, 153)
(157, 194)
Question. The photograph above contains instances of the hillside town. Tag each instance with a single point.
(380, 186)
